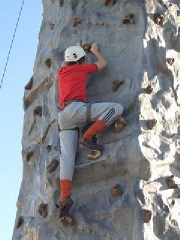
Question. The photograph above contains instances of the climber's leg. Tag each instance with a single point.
(68, 143)
(104, 114)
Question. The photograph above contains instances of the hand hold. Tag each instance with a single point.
(48, 62)
(170, 61)
(109, 2)
(129, 19)
(94, 155)
(43, 210)
(61, 2)
(146, 215)
(158, 18)
(51, 25)
(116, 191)
(29, 156)
(149, 89)
(151, 123)
(171, 183)
(38, 111)
(87, 47)
(29, 84)
(20, 221)
(119, 124)
(117, 84)
(48, 147)
(52, 166)
(76, 21)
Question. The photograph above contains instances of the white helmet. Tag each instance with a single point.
(74, 53)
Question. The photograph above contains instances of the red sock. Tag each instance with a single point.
(65, 186)
(97, 127)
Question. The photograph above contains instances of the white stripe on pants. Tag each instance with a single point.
(75, 115)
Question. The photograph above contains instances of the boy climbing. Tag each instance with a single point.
(75, 112)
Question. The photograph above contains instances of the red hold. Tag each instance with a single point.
(116, 191)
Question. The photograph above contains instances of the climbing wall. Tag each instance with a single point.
(132, 191)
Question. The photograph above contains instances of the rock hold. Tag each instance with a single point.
(20, 221)
(29, 84)
(117, 84)
(151, 123)
(146, 215)
(116, 190)
(129, 19)
(158, 18)
(48, 62)
(76, 21)
(51, 25)
(149, 89)
(43, 210)
(109, 2)
(171, 183)
(52, 166)
(94, 155)
(119, 124)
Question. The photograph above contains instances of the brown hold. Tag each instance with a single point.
(116, 191)
(109, 2)
(66, 221)
(117, 84)
(20, 221)
(48, 147)
(61, 2)
(43, 210)
(120, 123)
(87, 47)
(149, 89)
(151, 123)
(38, 111)
(29, 84)
(76, 21)
(48, 62)
(51, 25)
(29, 156)
(146, 215)
(171, 183)
(129, 19)
(52, 166)
(170, 61)
(158, 18)
(94, 155)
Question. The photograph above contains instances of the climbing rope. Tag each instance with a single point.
(12, 43)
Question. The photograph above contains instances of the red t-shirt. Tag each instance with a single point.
(72, 81)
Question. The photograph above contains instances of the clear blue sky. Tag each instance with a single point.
(19, 71)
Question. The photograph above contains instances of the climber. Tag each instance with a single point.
(74, 113)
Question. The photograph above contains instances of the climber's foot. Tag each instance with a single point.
(91, 144)
(65, 207)
(120, 123)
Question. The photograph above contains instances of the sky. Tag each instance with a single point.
(19, 71)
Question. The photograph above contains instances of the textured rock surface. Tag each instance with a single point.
(141, 159)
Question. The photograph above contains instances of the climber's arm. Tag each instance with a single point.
(101, 63)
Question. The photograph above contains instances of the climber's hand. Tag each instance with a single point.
(94, 48)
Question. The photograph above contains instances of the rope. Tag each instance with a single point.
(11, 43)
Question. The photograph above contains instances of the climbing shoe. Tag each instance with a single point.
(65, 207)
(91, 144)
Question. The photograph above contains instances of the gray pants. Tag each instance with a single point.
(75, 115)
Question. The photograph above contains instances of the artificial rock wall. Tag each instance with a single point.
(141, 42)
